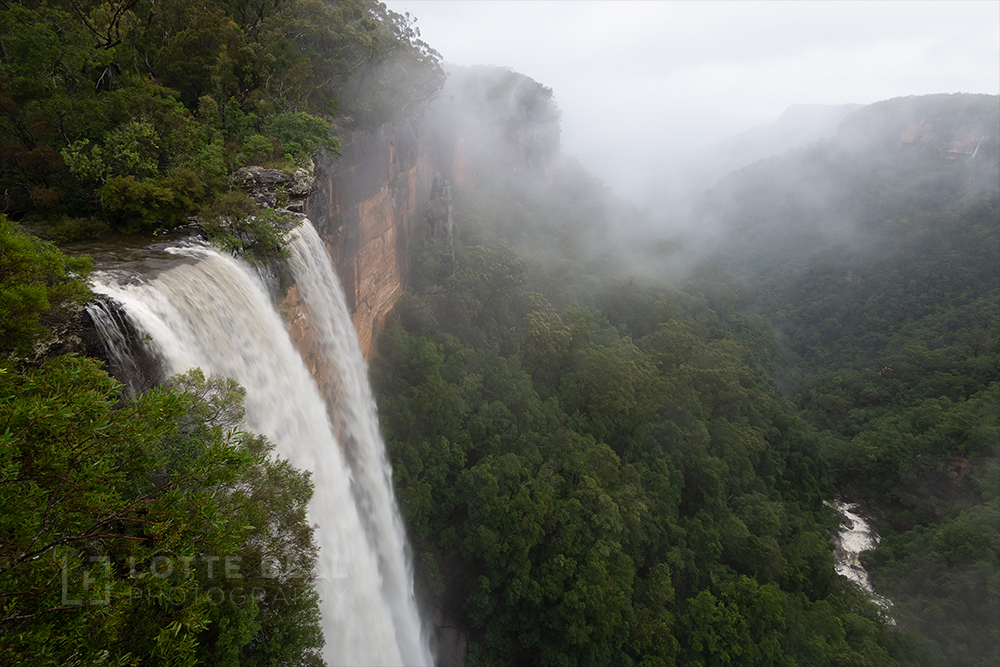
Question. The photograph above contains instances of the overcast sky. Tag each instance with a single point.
(659, 76)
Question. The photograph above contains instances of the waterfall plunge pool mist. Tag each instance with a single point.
(204, 309)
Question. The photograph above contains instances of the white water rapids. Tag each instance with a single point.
(856, 536)
(215, 313)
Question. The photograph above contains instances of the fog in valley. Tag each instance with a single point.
(661, 99)
(562, 332)
(824, 176)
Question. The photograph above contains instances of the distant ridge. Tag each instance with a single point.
(954, 125)
(798, 125)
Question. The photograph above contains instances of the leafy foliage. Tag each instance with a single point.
(143, 530)
(237, 224)
(36, 280)
(135, 113)
(610, 481)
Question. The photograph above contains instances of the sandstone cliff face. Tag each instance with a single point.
(957, 143)
(369, 203)
(365, 205)
(955, 126)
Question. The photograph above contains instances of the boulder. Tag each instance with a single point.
(273, 188)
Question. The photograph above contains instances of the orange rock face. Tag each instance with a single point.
(376, 268)
(459, 168)
(366, 205)
(916, 132)
(965, 144)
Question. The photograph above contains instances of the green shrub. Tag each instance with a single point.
(235, 223)
(301, 133)
(35, 279)
(134, 205)
(258, 149)
(77, 229)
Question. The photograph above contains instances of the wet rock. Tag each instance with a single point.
(273, 188)
(122, 346)
(71, 332)
(453, 644)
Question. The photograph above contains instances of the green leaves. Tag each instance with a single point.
(36, 279)
(101, 96)
(114, 516)
(129, 150)
(300, 133)
(237, 224)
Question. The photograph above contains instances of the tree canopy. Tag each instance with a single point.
(598, 465)
(131, 114)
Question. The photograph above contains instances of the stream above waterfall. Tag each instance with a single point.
(135, 254)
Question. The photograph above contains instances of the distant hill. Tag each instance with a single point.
(800, 124)
(952, 125)
(678, 177)
(875, 256)
(903, 198)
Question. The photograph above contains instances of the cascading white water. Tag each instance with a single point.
(114, 340)
(855, 537)
(214, 313)
(364, 447)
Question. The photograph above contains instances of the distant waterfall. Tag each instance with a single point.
(214, 313)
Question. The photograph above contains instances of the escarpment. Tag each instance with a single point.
(365, 205)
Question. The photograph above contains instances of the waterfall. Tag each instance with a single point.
(132, 363)
(364, 447)
(214, 313)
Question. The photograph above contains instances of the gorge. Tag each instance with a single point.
(605, 435)
(369, 207)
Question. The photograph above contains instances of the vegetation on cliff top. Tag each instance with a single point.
(129, 115)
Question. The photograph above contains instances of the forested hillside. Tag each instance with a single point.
(131, 115)
(597, 468)
(858, 245)
(877, 257)
(616, 485)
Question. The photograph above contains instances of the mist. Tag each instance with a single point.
(822, 178)
(663, 101)
(644, 86)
